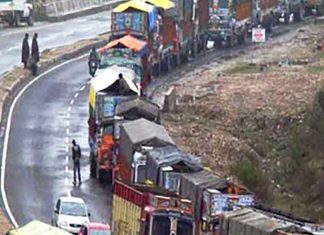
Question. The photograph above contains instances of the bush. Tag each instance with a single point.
(254, 179)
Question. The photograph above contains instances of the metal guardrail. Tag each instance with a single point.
(63, 7)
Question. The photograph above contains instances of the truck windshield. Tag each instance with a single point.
(223, 4)
(184, 227)
(108, 129)
(161, 225)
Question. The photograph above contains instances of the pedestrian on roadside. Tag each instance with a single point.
(76, 156)
(25, 51)
(34, 55)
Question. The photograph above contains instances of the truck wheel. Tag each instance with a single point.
(93, 169)
(17, 19)
(320, 10)
(30, 20)
(229, 43)
(286, 18)
(101, 176)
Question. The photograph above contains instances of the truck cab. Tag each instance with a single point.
(150, 210)
(16, 11)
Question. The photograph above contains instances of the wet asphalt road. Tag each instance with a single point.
(52, 112)
(50, 35)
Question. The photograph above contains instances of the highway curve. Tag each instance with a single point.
(49, 114)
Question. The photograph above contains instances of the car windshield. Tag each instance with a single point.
(99, 232)
(73, 208)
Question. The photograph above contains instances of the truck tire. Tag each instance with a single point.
(229, 43)
(101, 176)
(320, 10)
(286, 18)
(30, 19)
(17, 19)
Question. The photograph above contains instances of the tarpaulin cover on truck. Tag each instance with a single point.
(169, 156)
(134, 108)
(165, 4)
(141, 6)
(107, 78)
(37, 228)
(248, 221)
(142, 132)
(127, 41)
(193, 184)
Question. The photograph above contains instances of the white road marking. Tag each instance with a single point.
(82, 88)
(70, 108)
(68, 115)
(66, 140)
(13, 48)
(66, 181)
(76, 95)
(69, 194)
(68, 123)
(67, 148)
(67, 131)
(67, 159)
(6, 139)
(72, 101)
(66, 169)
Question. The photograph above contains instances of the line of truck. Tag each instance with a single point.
(158, 188)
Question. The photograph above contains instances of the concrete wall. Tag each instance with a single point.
(58, 10)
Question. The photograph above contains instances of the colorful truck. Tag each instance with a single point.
(138, 19)
(231, 20)
(149, 210)
(128, 52)
(104, 94)
(133, 136)
(250, 222)
(212, 195)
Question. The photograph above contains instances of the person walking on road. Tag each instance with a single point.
(25, 51)
(76, 156)
(34, 55)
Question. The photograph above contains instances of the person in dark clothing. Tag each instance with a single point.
(76, 156)
(25, 51)
(35, 49)
(123, 87)
(34, 55)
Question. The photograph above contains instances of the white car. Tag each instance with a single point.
(70, 213)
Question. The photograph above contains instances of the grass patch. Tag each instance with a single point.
(316, 69)
(244, 68)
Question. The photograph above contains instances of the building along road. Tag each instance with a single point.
(50, 35)
(48, 115)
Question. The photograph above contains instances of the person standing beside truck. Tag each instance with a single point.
(25, 51)
(76, 156)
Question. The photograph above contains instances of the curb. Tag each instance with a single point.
(17, 85)
(10, 91)
(84, 12)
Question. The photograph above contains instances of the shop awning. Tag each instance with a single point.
(129, 42)
(165, 4)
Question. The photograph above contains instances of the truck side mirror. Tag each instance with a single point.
(89, 214)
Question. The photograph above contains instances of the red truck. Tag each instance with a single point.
(149, 210)
(133, 136)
